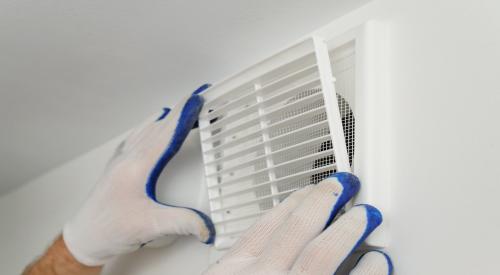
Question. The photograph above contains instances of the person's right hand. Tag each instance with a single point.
(300, 235)
(123, 213)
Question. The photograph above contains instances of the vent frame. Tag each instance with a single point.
(363, 37)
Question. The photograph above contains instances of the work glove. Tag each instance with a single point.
(302, 236)
(122, 212)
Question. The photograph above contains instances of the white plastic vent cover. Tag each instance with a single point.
(267, 132)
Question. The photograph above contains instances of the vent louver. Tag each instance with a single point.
(267, 132)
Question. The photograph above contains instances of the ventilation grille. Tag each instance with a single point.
(266, 138)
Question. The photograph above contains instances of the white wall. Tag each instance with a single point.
(444, 217)
(34, 214)
(445, 88)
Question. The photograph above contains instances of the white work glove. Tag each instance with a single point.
(122, 212)
(300, 235)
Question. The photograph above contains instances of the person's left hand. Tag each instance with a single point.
(122, 213)
(301, 235)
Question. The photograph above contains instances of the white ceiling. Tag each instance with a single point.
(74, 74)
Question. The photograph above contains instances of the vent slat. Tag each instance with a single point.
(254, 148)
(289, 120)
(289, 177)
(283, 164)
(254, 187)
(294, 76)
(275, 73)
(239, 218)
(272, 114)
(309, 84)
(256, 133)
(250, 202)
(293, 133)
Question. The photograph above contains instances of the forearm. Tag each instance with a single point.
(57, 260)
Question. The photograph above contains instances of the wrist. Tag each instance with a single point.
(58, 260)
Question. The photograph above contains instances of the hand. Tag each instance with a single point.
(122, 213)
(300, 235)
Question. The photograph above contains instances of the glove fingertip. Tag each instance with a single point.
(373, 216)
(389, 262)
(350, 187)
(209, 237)
(166, 110)
(178, 220)
(375, 260)
(349, 182)
(205, 229)
(202, 88)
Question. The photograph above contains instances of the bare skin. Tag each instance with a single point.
(57, 260)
